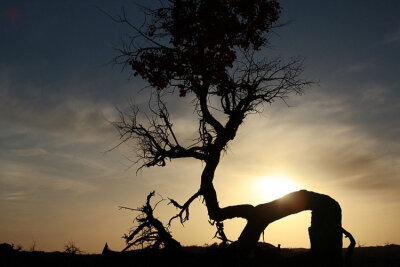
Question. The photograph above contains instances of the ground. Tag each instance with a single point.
(388, 255)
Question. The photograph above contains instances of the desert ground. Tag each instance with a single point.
(388, 255)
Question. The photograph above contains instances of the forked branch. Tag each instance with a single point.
(183, 214)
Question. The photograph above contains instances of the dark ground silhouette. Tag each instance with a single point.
(265, 255)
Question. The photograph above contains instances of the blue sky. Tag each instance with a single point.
(58, 92)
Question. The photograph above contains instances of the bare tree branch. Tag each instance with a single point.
(156, 141)
(150, 232)
(183, 214)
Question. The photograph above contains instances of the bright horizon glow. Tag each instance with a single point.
(271, 187)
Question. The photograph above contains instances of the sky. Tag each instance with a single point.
(59, 93)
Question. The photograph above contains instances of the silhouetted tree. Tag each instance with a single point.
(214, 52)
(71, 248)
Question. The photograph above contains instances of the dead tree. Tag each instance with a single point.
(216, 53)
(149, 232)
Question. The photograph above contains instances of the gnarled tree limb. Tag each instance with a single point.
(150, 231)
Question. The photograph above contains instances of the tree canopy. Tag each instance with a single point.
(207, 49)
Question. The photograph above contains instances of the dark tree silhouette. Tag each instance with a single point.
(214, 52)
(149, 232)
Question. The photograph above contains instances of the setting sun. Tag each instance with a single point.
(272, 187)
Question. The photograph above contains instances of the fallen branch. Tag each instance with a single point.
(150, 232)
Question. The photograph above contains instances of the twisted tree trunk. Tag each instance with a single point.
(325, 231)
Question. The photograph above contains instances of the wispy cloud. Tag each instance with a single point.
(320, 140)
(374, 94)
(358, 67)
(392, 37)
(74, 117)
(16, 196)
(30, 152)
(53, 144)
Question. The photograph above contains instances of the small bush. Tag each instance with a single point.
(71, 248)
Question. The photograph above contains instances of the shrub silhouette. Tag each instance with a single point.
(71, 248)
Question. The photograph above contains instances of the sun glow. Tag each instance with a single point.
(271, 187)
